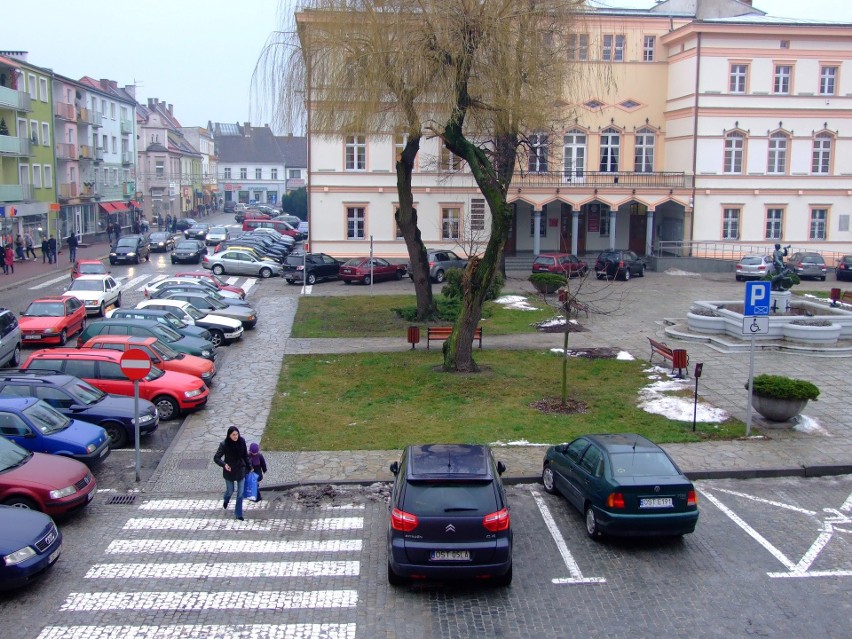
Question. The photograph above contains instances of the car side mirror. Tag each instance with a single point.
(501, 468)
(394, 468)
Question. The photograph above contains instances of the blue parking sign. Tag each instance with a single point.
(757, 300)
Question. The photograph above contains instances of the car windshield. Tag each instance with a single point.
(166, 333)
(129, 242)
(84, 392)
(164, 351)
(652, 464)
(215, 303)
(92, 269)
(157, 237)
(87, 285)
(46, 418)
(174, 321)
(435, 499)
(189, 246)
(751, 259)
(154, 373)
(45, 309)
(218, 230)
(12, 455)
(355, 261)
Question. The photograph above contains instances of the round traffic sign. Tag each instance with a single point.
(135, 364)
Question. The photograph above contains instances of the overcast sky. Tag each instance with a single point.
(199, 55)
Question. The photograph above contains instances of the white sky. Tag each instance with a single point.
(199, 55)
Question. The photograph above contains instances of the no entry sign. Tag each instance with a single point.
(135, 364)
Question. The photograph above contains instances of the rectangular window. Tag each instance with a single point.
(103, 107)
(739, 73)
(578, 46)
(449, 161)
(827, 80)
(273, 174)
(45, 134)
(356, 153)
(731, 224)
(104, 143)
(34, 131)
(777, 160)
(450, 223)
(114, 144)
(613, 48)
(774, 223)
(37, 176)
(243, 173)
(644, 152)
(294, 174)
(538, 153)
(542, 229)
(356, 222)
(604, 222)
(31, 87)
(477, 214)
(821, 158)
(734, 145)
(819, 220)
(781, 83)
(160, 168)
(112, 110)
(258, 174)
(649, 48)
(48, 177)
(227, 175)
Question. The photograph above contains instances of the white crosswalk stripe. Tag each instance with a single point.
(51, 282)
(227, 546)
(189, 505)
(230, 524)
(207, 570)
(205, 631)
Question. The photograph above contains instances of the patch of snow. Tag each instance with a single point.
(624, 355)
(517, 302)
(680, 409)
(520, 442)
(556, 321)
(805, 424)
(681, 273)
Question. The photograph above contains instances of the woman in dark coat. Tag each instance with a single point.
(232, 455)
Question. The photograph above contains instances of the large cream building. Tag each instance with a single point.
(723, 131)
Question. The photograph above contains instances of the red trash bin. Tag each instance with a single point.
(413, 335)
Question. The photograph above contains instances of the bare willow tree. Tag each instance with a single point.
(479, 74)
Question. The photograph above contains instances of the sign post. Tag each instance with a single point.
(135, 364)
(755, 322)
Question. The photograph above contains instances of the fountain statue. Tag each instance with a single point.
(783, 277)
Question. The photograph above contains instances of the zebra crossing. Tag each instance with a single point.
(175, 563)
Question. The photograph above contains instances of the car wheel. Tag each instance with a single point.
(173, 261)
(367, 279)
(504, 580)
(395, 579)
(642, 271)
(117, 434)
(118, 301)
(398, 275)
(626, 275)
(739, 279)
(136, 261)
(547, 480)
(312, 279)
(439, 276)
(822, 279)
(102, 310)
(218, 269)
(266, 273)
(291, 281)
(592, 523)
(16, 357)
(148, 257)
(21, 502)
(347, 282)
(167, 407)
(63, 337)
(217, 338)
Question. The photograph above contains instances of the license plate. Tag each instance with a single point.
(54, 555)
(90, 496)
(450, 555)
(656, 502)
(104, 451)
(32, 336)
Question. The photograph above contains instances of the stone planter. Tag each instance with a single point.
(811, 334)
(778, 410)
(705, 323)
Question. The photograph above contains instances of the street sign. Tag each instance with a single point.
(755, 326)
(135, 364)
(757, 298)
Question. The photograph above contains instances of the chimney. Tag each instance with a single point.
(170, 109)
(151, 102)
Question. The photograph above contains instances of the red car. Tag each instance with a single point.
(358, 270)
(172, 393)
(561, 264)
(214, 279)
(53, 484)
(51, 320)
(88, 267)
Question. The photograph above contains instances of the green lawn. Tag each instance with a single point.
(387, 400)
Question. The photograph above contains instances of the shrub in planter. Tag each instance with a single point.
(780, 398)
(547, 282)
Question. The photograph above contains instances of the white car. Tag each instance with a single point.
(227, 328)
(217, 234)
(97, 292)
(153, 287)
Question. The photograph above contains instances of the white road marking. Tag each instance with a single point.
(203, 600)
(847, 505)
(153, 280)
(136, 280)
(231, 281)
(62, 278)
(250, 282)
(813, 552)
(272, 569)
(186, 631)
(574, 568)
(216, 504)
(228, 546)
(764, 501)
(229, 524)
(811, 573)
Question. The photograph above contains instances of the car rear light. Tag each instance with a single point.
(615, 500)
(496, 521)
(762, 267)
(401, 520)
(621, 264)
(691, 498)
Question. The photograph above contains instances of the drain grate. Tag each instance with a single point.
(193, 463)
(122, 499)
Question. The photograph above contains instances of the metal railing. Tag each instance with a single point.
(16, 192)
(12, 145)
(599, 179)
(66, 151)
(16, 100)
(732, 251)
(68, 190)
(66, 111)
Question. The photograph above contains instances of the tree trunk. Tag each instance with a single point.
(406, 217)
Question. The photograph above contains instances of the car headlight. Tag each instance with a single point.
(252, 318)
(48, 331)
(131, 254)
(90, 301)
(62, 492)
(206, 353)
(18, 556)
(193, 393)
(113, 254)
(91, 448)
(143, 419)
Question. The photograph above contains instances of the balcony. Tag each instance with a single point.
(68, 190)
(86, 152)
(126, 127)
(158, 181)
(65, 111)
(97, 119)
(15, 100)
(14, 146)
(90, 192)
(16, 192)
(65, 151)
(598, 179)
(87, 116)
(128, 189)
(126, 158)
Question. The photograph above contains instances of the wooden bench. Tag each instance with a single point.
(577, 307)
(659, 348)
(440, 333)
(846, 298)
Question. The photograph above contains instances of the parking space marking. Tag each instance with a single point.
(270, 569)
(231, 524)
(203, 600)
(61, 278)
(153, 280)
(229, 546)
(199, 631)
(249, 284)
(574, 568)
(766, 501)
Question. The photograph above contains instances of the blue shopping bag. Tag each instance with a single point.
(250, 491)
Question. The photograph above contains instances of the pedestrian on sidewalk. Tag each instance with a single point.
(3, 260)
(72, 247)
(232, 455)
(51, 250)
(258, 465)
(9, 267)
(19, 248)
(29, 246)
(45, 250)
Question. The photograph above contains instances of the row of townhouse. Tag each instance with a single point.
(723, 131)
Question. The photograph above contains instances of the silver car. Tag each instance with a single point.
(440, 262)
(10, 339)
(754, 267)
(236, 262)
(217, 234)
(806, 264)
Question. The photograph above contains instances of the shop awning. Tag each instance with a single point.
(107, 207)
(135, 204)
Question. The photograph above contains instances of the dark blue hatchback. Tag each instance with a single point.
(449, 517)
(30, 543)
(76, 398)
